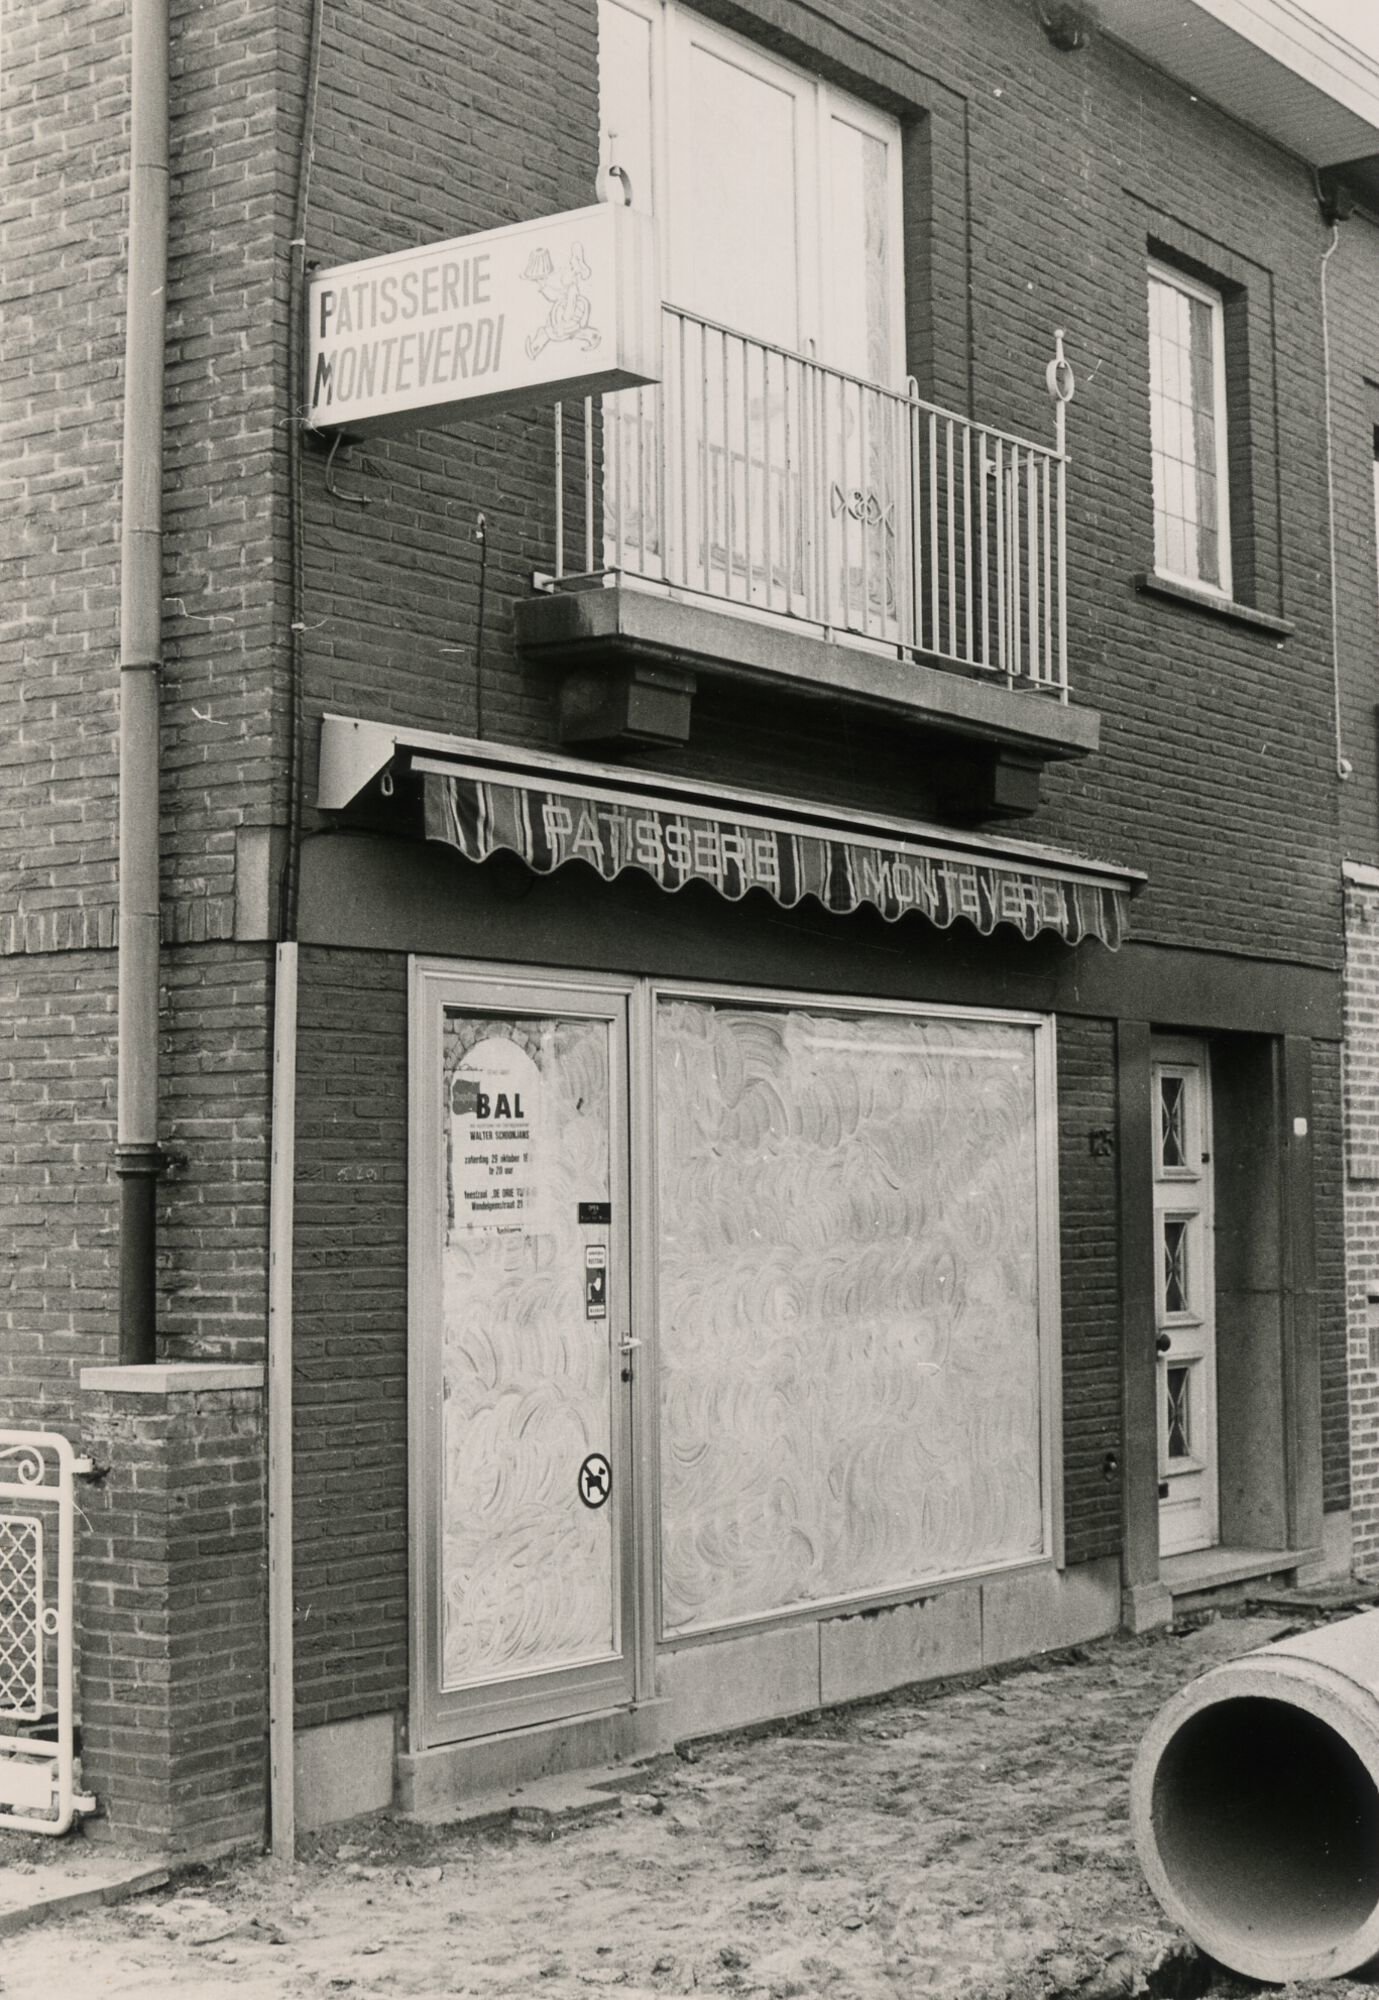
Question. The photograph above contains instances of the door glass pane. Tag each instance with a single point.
(864, 436)
(1175, 1264)
(848, 1292)
(735, 217)
(859, 253)
(527, 1570)
(1172, 1112)
(1186, 408)
(1177, 1381)
(631, 420)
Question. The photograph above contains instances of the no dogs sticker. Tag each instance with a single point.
(595, 1480)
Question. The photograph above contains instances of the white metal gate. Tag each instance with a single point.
(37, 1722)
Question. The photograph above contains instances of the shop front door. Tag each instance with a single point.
(1185, 1318)
(522, 1359)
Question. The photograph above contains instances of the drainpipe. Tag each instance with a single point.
(138, 1158)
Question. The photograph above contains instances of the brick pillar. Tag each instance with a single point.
(172, 1606)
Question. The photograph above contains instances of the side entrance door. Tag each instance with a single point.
(1185, 1317)
(521, 1360)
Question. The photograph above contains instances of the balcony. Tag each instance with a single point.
(759, 516)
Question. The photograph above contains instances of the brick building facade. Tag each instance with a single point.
(1088, 1200)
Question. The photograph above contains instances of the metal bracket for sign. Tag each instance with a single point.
(37, 1629)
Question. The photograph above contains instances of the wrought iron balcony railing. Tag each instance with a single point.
(763, 479)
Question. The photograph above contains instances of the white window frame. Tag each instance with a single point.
(673, 30)
(1170, 275)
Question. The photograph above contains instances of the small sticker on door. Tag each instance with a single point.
(595, 1480)
(596, 1211)
(596, 1281)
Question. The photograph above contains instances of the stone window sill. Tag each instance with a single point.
(1150, 585)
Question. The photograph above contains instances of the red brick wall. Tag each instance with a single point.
(1329, 1184)
(171, 1617)
(59, 1200)
(64, 89)
(1353, 310)
(58, 1206)
(216, 1020)
(1090, 1228)
(1353, 297)
(62, 256)
(1362, 1218)
(350, 1359)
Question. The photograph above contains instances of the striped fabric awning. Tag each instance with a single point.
(739, 844)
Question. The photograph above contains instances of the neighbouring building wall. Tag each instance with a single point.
(66, 78)
(170, 1562)
(1353, 297)
(1362, 1215)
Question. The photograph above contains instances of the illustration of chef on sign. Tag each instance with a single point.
(570, 310)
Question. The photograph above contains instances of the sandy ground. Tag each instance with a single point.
(953, 1843)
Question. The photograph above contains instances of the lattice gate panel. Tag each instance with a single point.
(37, 1667)
(22, 1629)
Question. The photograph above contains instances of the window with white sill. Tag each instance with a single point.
(767, 467)
(1187, 397)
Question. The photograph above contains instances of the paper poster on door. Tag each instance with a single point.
(596, 1281)
(495, 1109)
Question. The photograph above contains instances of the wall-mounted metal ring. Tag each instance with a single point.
(616, 174)
(1062, 383)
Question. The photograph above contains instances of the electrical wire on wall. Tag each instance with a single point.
(296, 364)
(481, 537)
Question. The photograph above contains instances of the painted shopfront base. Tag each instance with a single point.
(722, 1684)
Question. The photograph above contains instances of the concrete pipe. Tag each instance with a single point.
(1255, 1806)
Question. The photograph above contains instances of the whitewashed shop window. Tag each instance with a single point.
(777, 199)
(1187, 394)
(856, 1302)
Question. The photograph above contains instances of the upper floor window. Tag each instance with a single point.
(1187, 389)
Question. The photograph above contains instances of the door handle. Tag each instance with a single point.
(627, 1343)
(1163, 1342)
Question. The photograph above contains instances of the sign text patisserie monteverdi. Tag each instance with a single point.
(563, 306)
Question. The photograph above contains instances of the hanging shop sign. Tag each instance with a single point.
(734, 853)
(561, 307)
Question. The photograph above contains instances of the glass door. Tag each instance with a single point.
(521, 1356)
